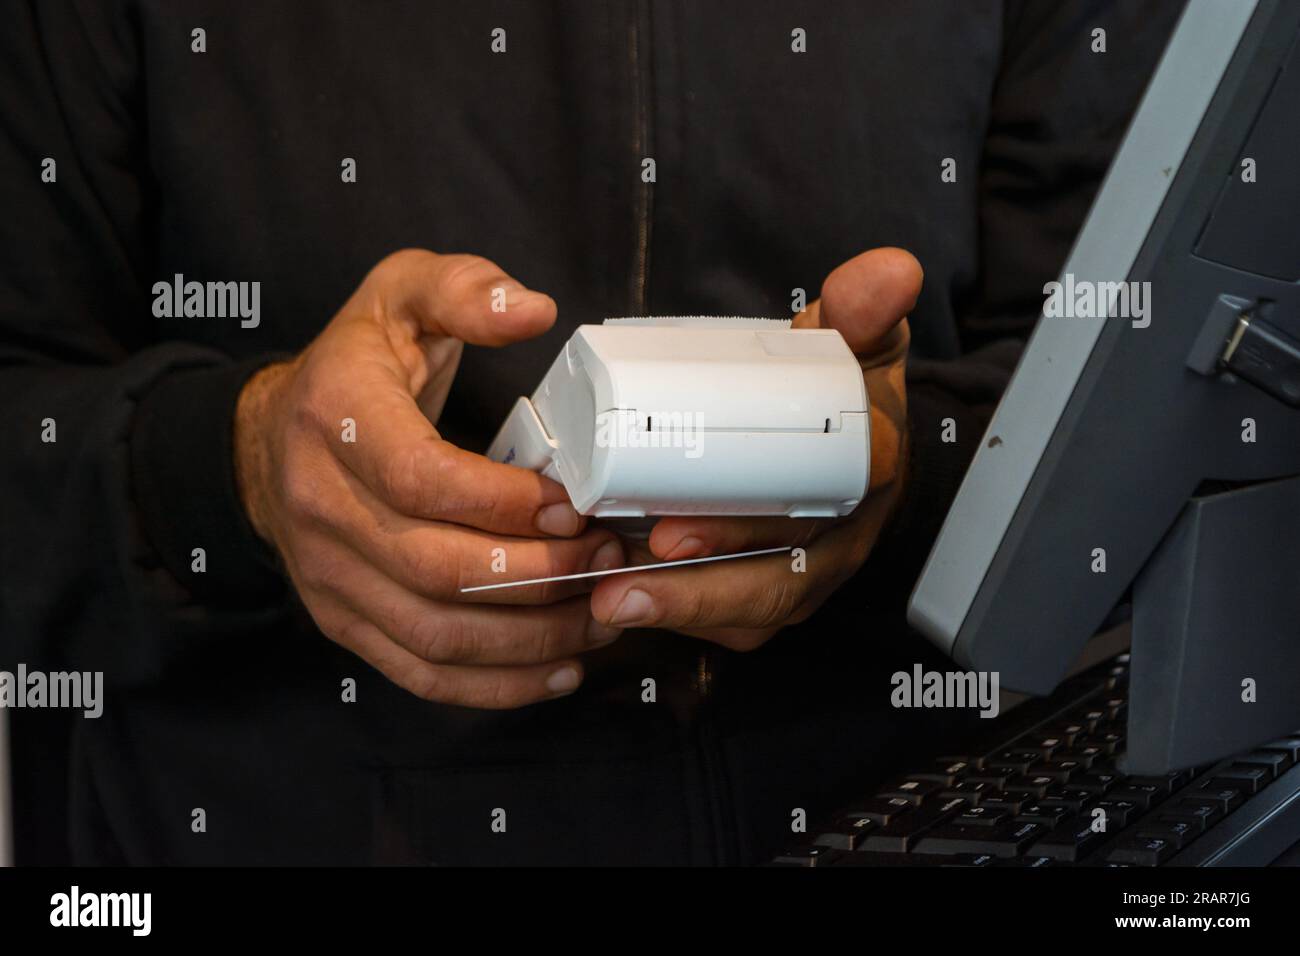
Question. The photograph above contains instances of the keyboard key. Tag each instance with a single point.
(1180, 778)
(1009, 803)
(1085, 755)
(946, 772)
(1018, 760)
(1115, 707)
(1070, 842)
(1008, 840)
(1142, 851)
(982, 817)
(1245, 777)
(1059, 770)
(1107, 743)
(1178, 832)
(881, 811)
(1045, 745)
(1049, 816)
(975, 761)
(1144, 795)
(1161, 785)
(1287, 745)
(846, 833)
(1278, 762)
(972, 859)
(1069, 731)
(1226, 798)
(901, 835)
(913, 791)
(1119, 813)
(1034, 785)
(1200, 813)
(1098, 782)
(1070, 807)
(1091, 717)
(968, 790)
(994, 777)
(1071, 795)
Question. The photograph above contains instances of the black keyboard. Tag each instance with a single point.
(1050, 795)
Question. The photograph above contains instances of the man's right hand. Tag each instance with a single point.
(380, 533)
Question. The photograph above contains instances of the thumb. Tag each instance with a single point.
(463, 297)
(866, 298)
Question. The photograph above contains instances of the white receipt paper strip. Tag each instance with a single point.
(635, 567)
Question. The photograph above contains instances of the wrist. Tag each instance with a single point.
(254, 411)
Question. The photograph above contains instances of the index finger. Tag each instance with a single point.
(397, 453)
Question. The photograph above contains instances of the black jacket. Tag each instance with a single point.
(772, 167)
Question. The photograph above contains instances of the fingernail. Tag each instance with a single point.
(563, 681)
(608, 556)
(598, 635)
(635, 607)
(688, 547)
(558, 519)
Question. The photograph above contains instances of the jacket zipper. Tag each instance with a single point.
(723, 849)
(641, 268)
(640, 144)
(703, 679)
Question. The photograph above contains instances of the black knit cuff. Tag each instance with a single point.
(182, 462)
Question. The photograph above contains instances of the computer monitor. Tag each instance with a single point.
(1147, 444)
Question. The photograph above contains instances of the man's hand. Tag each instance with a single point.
(381, 522)
(743, 603)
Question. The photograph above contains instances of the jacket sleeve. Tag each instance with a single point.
(1059, 111)
(117, 460)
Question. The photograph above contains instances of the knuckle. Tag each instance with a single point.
(322, 574)
(427, 683)
(556, 561)
(405, 481)
(431, 571)
(696, 607)
(301, 492)
(457, 643)
(417, 633)
(453, 494)
(500, 692)
(462, 271)
(553, 561)
(442, 487)
(397, 263)
(318, 391)
(309, 415)
(349, 632)
(550, 642)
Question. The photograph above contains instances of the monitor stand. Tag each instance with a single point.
(1216, 631)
